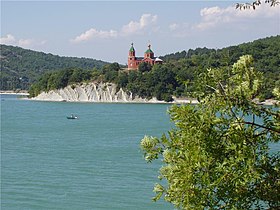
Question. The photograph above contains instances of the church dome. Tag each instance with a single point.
(131, 48)
(149, 50)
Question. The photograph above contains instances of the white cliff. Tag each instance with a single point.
(90, 92)
(97, 92)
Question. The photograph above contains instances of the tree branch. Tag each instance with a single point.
(256, 3)
(262, 126)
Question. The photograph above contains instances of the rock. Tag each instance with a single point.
(90, 92)
(98, 92)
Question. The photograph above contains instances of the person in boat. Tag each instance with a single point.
(72, 116)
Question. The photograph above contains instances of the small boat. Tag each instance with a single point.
(72, 117)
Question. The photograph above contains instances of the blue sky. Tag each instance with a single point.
(105, 29)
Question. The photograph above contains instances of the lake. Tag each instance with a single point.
(94, 162)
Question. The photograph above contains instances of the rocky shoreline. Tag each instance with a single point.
(99, 93)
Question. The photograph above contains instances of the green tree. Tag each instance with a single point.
(144, 67)
(110, 72)
(217, 156)
(77, 76)
(122, 80)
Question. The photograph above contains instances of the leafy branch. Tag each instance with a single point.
(256, 3)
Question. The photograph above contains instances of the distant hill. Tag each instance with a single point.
(21, 67)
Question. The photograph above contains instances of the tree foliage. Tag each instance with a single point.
(217, 156)
(144, 67)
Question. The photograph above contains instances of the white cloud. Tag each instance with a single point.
(173, 26)
(94, 33)
(180, 30)
(25, 42)
(9, 39)
(146, 21)
(215, 16)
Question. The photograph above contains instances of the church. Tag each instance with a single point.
(133, 61)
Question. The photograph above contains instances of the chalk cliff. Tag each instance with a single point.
(92, 92)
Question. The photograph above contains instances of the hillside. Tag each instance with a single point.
(264, 51)
(21, 67)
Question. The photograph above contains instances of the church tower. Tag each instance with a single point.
(134, 62)
(131, 58)
(149, 53)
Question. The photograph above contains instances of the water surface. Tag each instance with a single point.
(94, 162)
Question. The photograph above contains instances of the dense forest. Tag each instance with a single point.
(21, 67)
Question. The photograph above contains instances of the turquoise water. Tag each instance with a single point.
(50, 162)
(94, 162)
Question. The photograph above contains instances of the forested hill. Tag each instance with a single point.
(264, 51)
(261, 48)
(21, 67)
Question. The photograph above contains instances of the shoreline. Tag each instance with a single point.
(102, 93)
(109, 93)
(152, 101)
(268, 102)
(10, 92)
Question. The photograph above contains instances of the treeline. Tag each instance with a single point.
(264, 51)
(21, 67)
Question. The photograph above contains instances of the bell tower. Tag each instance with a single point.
(149, 53)
(131, 58)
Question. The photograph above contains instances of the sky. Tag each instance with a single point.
(104, 30)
